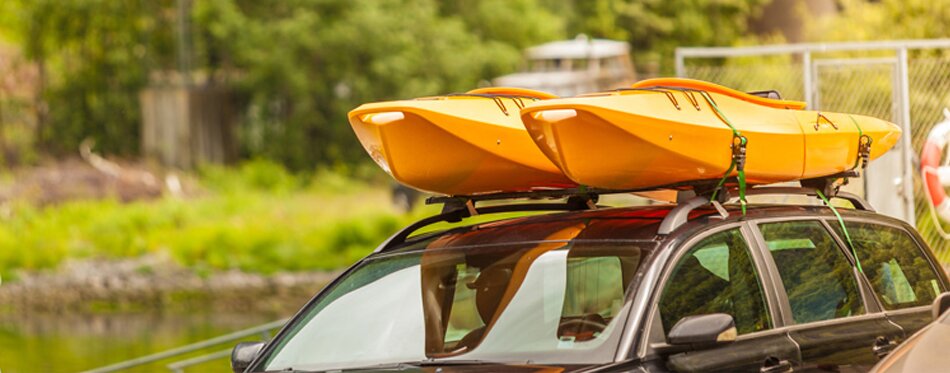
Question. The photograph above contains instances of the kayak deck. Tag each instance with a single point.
(640, 138)
(457, 144)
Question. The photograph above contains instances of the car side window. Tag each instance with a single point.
(817, 276)
(894, 264)
(716, 276)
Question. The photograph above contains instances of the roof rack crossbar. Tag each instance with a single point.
(457, 208)
(593, 193)
(680, 214)
(456, 215)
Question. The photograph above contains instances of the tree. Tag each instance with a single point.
(92, 56)
(655, 28)
(884, 20)
(298, 66)
(333, 55)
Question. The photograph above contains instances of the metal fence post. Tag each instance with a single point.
(913, 97)
(680, 64)
(907, 184)
(807, 79)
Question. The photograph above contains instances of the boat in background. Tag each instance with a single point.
(458, 144)
(671, 131)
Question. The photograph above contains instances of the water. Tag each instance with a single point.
(70, 343)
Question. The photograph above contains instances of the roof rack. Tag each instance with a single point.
(577, 197)
(678, 216)
(584, 195)
(455, 215)
(810, 187)
(457, 208)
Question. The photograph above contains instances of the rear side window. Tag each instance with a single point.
(894, 263)
(817, 276)
(716, 276)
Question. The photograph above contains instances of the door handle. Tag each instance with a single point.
(774, 365)
(883, 346)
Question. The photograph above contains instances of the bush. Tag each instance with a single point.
(257, 218)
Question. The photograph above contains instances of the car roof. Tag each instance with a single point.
(636, 223)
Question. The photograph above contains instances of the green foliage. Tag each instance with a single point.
(884, 20)
(296, 67)
(655, 28)
(257, 175)
(240, 224)
(334, 55)
(93, 57)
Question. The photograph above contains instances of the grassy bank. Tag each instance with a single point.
(256, 218)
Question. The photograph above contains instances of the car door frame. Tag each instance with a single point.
(653, 336)
(873, 309)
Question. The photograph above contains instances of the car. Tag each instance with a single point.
(925, 350)
(696, 286)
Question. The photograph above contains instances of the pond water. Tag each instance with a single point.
(70, 343)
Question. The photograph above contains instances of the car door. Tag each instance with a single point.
(902, 274)
(716, 272)
(824, 304)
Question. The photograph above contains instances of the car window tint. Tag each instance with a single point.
(894, 263)
(463, 314)
(595, 286)
(716, 276)
(597, 277)
(818, 278)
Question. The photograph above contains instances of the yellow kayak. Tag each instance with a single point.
(668, 131)
(458, 144)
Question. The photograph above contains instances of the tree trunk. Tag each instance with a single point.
(40, 109)
(3, 147)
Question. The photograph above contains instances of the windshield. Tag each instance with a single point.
(556, 301)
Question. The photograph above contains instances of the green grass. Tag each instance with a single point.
(256, 218)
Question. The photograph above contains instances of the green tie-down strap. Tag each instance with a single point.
(739, 143)
(844, 229)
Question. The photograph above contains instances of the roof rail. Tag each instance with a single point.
(679, 215)
(456, 208)
(580, 193)
(456, 214)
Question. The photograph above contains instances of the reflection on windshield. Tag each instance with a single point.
(555, 301)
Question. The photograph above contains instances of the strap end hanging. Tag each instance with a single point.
(844, 229)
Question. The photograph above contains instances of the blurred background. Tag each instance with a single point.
(177, 170)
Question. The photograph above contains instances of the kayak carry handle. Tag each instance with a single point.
(822, 116)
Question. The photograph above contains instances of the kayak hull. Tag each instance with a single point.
(639, 138)
(456, 145)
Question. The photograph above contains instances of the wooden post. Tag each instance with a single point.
(184, 127)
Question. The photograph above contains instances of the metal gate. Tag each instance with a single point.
(906, 82)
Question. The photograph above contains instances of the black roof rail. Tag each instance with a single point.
(579, 194)
(456, 208)
(679, 215)
(454, 215)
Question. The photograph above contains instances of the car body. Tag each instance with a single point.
(688, 287)
(924, 351)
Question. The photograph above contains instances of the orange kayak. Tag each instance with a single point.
(458, 144)
(668, 131)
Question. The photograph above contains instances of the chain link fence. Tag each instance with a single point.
(929, 82)
(852, 80)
